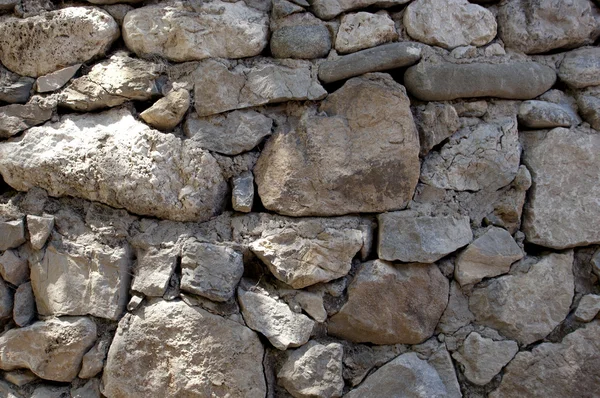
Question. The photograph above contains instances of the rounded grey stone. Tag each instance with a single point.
(301, 42)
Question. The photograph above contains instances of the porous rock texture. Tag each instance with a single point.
(299, 198)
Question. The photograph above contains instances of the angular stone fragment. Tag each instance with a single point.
(328, 9)
(514, 80)
(364, 30)
(405, 376)
(211, 271)
(179, 33)
(581, 68)
(562, 210)
(230, 133)
(16, 118)
(169, 349)
(8, 5)
(19, 377)
(349, 161)
(489, 255)
(40, 228)
(13, 268)
(543, 114)
(530, 302)
(435, 123)
(568, 369)
(112, 158)
(168, 112)
(91, 389)
(24, 305)
(390, 304)
(485, 156)
(376, 59)
(55, 80)
(45, 43)
(507, 211)
(588, 308)
(275, 320)
(153, 271)
(301, 42)
(484, 358)
(312, 304)
(242, 192)
(223, 86)
(441, 361)
(12, 233)
(6, 301)
(51, 349)
(93, 360)
(535, 27)
(588, 101)
(48, 391)
(457, 313)
(112, 82)
(408, 236)
(14, 88)
(314, 370)
(449, 23)
(77, 279)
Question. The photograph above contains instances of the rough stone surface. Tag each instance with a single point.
(408, 236)
(390, 304)
(435, 122)
(12, 234)
(112, 158)
(485, 156)
(168, 112)
(210, 271)
(78, 279)
(202, 30)
(6, 301)
(543, 115)
(230, 133)
(51, 349)
(314, 370)
(168, 349)
(513, 80)
(562, 161)
(40, 228)
(55, 80)
(45, 43)
(93, 360)
(14, 268)
(581, 68)
(508, 210)
(588, 101)
(13, 87)
(449, 23)
(364, 30)
(484, 358)
(19, 378)
(24, 305)
(540, 26)
(405, 376)
(377, 59)
(489, 255)
(364, 163)
(457, 313)
(16, 118)
(303, 259)
(588, 308)
(242, 192)
(567, 369)
(530, 302)
(275, 320)
(301, 42)
(153, 271)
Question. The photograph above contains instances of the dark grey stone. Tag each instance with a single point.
(14, 88)
(301, 42)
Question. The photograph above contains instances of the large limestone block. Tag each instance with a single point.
(328, 9)
(51, 349)
(529, 303)
(361, 157)
(515, 80)
(24, 310)
(114, 159)
(449, 23)
(44, 43)
(568, 369)
(364, 30)
(213, 29)
(390, 304)
(81, 279)
(16, 118)
(169, 349)
(563, 209)
(581, 68)
(536, 26)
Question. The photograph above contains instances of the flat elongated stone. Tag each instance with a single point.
(153, 271)
(13, 87)
(301, 42)
(435, 122)
(588, 102)
(364, 30)
(169, 349)
(376, 59)
(581, 68)
(328, 9)
(55, 80)
(16, 118)
(42, 44)
(447, 81)
(543, 115)
(214, 29)
(562, 210)
(24, 305)
(112, 158)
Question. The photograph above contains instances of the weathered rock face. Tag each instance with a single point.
(51, 349)
(171, 349)
(530, 302)
(327, 9)
(208, 30)
(40, 228)
(153, 271)
(457, 313)
(449, 23)
(24, 305)
(42, 44)
(167, 112)
(567, 369)
(515, 80)
(535, 27)
(363, 163)
(390, 304)
(581, 68)
(408, 236)
(543, 115)
(13, 268)
(588, 101)
(435, 122)
(16, 118)
(55, 80)
(301, 42)
(588, 308)
(114, 159)
(363, 30)
(76, 279)
(14, 88)
(301, 260)
(559, 160)
(405, 376)
(12, 234)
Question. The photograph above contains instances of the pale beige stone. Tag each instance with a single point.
(364, 30)
(55, 80)
(40, 228)
(168, 112)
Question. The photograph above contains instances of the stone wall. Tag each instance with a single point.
(282, 198)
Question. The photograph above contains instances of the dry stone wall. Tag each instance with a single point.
(292, 198)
